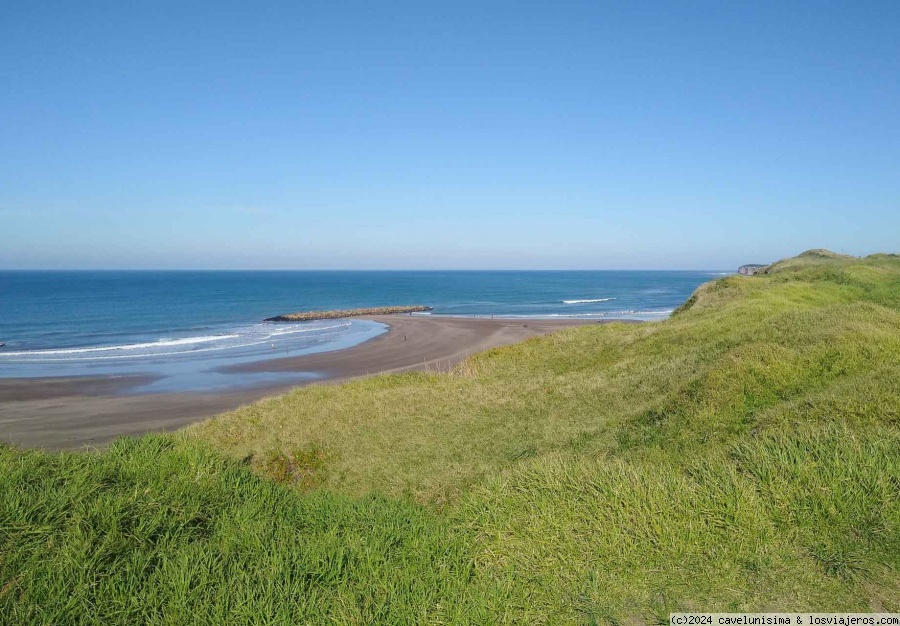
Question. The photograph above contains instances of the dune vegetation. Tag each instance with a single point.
(742, 455)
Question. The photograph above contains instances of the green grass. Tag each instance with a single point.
(154, 531)
(742, 455)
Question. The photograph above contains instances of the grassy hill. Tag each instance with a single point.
(742, 455)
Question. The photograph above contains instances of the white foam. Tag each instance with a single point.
(120, 357)
(616, 314)
(294, 330)
(587, 315)
(663, 312)
(587, 301)
(162, 343)
(252, 336)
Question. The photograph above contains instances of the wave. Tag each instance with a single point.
(614, 314)
(121, 357)
(256, 336)
(662, 312)
(293, 330)
(162, 343)
(586, 315)
(587, 301)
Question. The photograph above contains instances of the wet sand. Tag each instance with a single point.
(62, 413)
(414, 342)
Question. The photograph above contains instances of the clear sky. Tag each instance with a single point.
(446, 135)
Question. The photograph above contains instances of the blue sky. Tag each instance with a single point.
(446, 135)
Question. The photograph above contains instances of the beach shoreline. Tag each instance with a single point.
(68, 413)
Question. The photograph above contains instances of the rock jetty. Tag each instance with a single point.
(333, 315)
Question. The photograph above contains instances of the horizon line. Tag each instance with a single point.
(338, 269)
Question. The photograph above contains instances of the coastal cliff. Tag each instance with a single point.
(338, 314)
(750, 270)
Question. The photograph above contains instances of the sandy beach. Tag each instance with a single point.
(66, 413)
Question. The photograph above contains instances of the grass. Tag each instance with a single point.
(154, 531)
(808, 521)
(742, 455)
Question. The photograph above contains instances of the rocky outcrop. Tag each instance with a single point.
(332, 315)
(750, 270)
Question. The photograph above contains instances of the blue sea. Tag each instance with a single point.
(182, 326)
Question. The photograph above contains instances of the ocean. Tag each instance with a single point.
(183, 325)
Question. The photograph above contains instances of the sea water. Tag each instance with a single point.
(184, 326)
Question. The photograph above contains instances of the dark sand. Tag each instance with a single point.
(62, 413)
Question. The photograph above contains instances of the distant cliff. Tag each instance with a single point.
(750, 270)
(331, 315)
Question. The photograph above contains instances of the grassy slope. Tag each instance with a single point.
(744, 454)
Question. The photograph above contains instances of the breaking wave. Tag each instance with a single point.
(243, 338)
(587, 301)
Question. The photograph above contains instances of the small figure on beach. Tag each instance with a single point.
(404, 337)
(273, 346)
